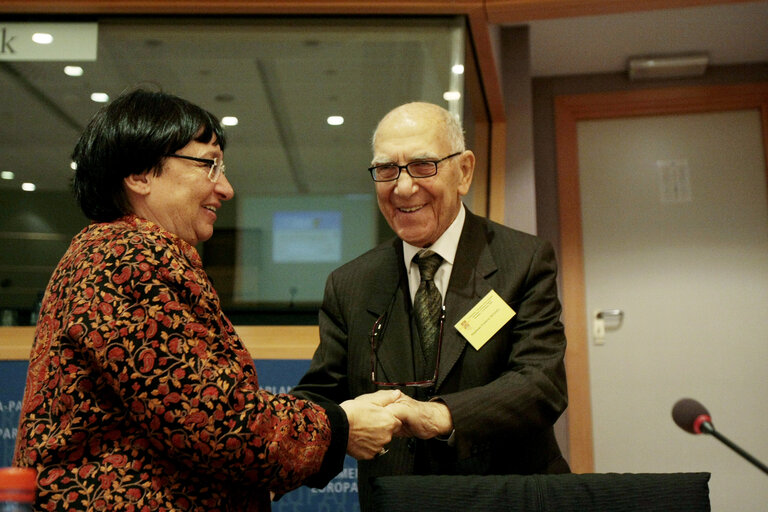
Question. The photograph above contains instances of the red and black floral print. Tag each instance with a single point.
(141, 396)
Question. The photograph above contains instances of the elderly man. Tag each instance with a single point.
(459, 312)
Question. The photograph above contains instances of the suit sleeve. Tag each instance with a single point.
(529, 393)
(327, 377)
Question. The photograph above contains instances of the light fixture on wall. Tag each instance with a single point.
(652, 67)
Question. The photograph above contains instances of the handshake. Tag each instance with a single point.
(377, 417)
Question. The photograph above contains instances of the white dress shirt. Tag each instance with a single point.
(446, 247)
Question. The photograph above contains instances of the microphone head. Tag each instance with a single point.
(690, 415)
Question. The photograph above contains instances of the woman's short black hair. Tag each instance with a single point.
(130, 136)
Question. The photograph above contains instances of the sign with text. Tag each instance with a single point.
(48, 41)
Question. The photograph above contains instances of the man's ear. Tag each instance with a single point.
(467, 170)
(139, 183)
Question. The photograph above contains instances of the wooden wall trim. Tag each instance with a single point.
(569, 110)
(482, 39)
(669, 100)
(494, 11)
(16, 343)
(241, 6)
(497, 182)
(263, 341)
(573, 291)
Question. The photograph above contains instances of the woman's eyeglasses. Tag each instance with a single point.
(217, 167)
(375, 340)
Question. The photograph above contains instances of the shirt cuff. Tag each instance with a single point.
(450, 438)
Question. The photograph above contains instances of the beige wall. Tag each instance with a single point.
(546, 89)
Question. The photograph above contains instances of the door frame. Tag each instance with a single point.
(569, 110)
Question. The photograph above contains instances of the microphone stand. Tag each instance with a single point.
(708, 428)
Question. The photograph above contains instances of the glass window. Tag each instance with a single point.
(301, 97)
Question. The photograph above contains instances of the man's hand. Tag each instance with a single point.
(371, 425)
(424, 420)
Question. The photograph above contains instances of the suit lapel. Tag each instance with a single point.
(391, 302)
(473, 266)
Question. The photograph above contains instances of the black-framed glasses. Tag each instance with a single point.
(217, 167)
(417, 169)
(376, 337)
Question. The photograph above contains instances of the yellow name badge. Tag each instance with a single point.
(485, 319)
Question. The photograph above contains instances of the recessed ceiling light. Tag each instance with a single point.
(229, 121)
(335, 120)
(451, 95)
(42, 38)
(7, 175)
(73, 70)
(100, 97)
(28, 187)
(458, 69)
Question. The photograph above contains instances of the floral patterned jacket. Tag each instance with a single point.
(141, 396)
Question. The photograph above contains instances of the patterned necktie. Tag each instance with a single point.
(427, 305)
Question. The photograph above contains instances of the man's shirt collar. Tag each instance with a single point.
(445, 246)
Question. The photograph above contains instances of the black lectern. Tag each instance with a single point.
(603, 492)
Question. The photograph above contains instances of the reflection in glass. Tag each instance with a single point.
(304, 202)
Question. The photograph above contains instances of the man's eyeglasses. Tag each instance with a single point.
(217, 167)
(417, 169)
(375, 340)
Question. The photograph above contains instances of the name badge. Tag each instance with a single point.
(485, 319)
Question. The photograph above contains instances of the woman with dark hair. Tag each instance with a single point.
(140, 395)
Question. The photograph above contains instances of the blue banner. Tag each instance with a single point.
(13, 376)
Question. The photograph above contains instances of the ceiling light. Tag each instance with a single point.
(7, 175)
(73, 70)
(29, 187)
(73, 166)
(100, 97)
(451, 95)
(229, 121)
(667, 66)
(42, 38)
(458, 69)
(335, 120)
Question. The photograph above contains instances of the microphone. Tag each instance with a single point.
(693, 417)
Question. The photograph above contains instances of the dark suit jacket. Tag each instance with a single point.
(503, 398)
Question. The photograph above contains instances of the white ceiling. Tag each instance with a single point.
(283, 83)
(734, 33)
